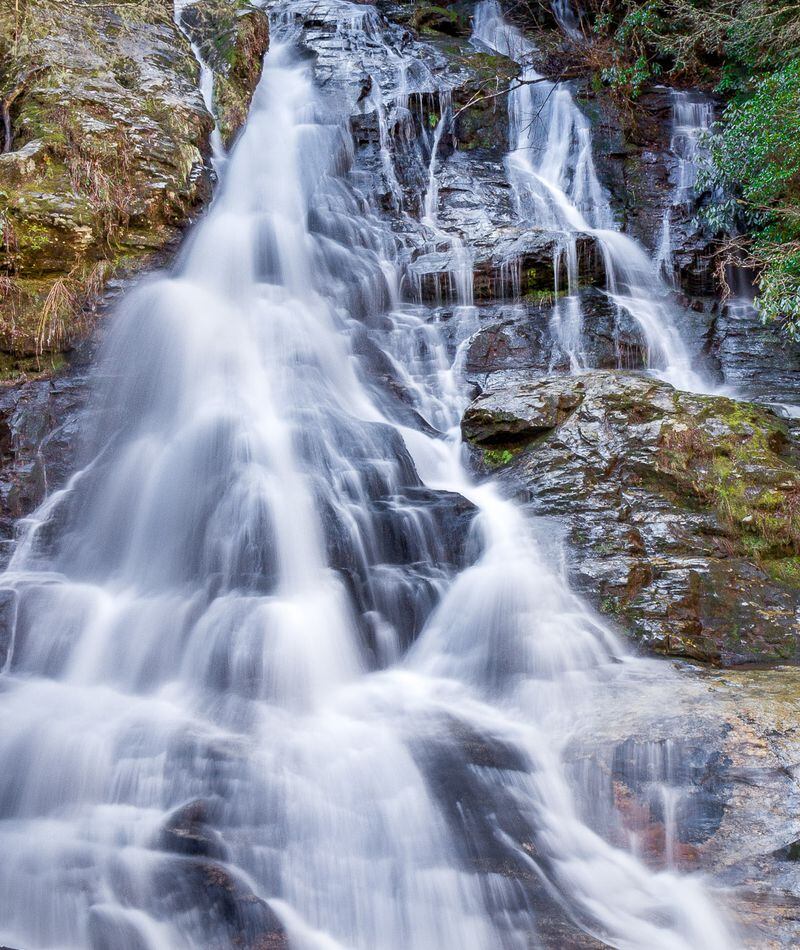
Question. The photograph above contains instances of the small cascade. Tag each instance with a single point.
(460, 270)
(566, 18)
(206, 85)
(551, 170)
(692, 115)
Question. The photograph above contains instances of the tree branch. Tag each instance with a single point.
(479, 97)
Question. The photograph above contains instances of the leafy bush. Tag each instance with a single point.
(756, 176)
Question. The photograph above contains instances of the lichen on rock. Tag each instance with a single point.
(682, 509)
(107, 157)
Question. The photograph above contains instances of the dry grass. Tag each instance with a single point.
(67, 312)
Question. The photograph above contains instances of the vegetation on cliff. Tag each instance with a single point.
(748, 51)
(104, 153)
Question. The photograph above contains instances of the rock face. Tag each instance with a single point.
(683, 510)
(40, 425)
(232, 37)
(107, 152)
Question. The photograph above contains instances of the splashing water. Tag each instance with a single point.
(270, 672)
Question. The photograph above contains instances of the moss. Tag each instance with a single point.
(429, 18)
(495, 458)
(786, 570)
(729, 455)
(14, 369)
(491, 68)
(611, 605)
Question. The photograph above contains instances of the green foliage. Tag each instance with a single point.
(494, 458)
(749, 51)
(756, 175)
(714, 41)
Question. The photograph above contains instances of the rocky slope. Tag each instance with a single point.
(106, 152)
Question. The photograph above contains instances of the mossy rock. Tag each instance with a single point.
(110, 149)
(232, 37)
(682, 509)
(439, 19)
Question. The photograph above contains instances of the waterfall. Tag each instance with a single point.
(278, 669)
(551, 170)
(692, 116)
(566, 18)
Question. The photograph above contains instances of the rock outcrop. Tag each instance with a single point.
(231, 37)
(683, 511)
(106, 151)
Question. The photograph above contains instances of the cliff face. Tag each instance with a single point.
(106, 150)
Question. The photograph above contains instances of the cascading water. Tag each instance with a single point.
(206, 85)
(692, 115)
(551, 170)
(266, 685)
(566, 18)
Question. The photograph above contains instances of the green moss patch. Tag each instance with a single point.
(731, 455)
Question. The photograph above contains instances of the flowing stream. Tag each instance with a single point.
(280, 670)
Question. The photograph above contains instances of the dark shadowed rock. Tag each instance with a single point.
(39, 436)
(225, 910)
(188, 831)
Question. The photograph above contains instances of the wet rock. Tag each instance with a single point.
(751, 851)
(502, 418)
(523, 336)
(516, 264)
(232, 37)
(632, 157)
(706, 782)
(753, 358)
(40, 424)
(467, 773)
(480, 102)
(188, 831)
(439, 19)
(224, 910)
(108, 158)
(8, 610)
(681, 508)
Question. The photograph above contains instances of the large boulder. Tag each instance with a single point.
(107, 156)
(683, 511)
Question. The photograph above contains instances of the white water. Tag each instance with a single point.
(692, 116)
(551, 169)
(566, 18)
(247, 598)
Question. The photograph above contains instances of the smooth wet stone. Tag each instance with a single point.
(679, 506)
(497, 418)
(40, 427)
